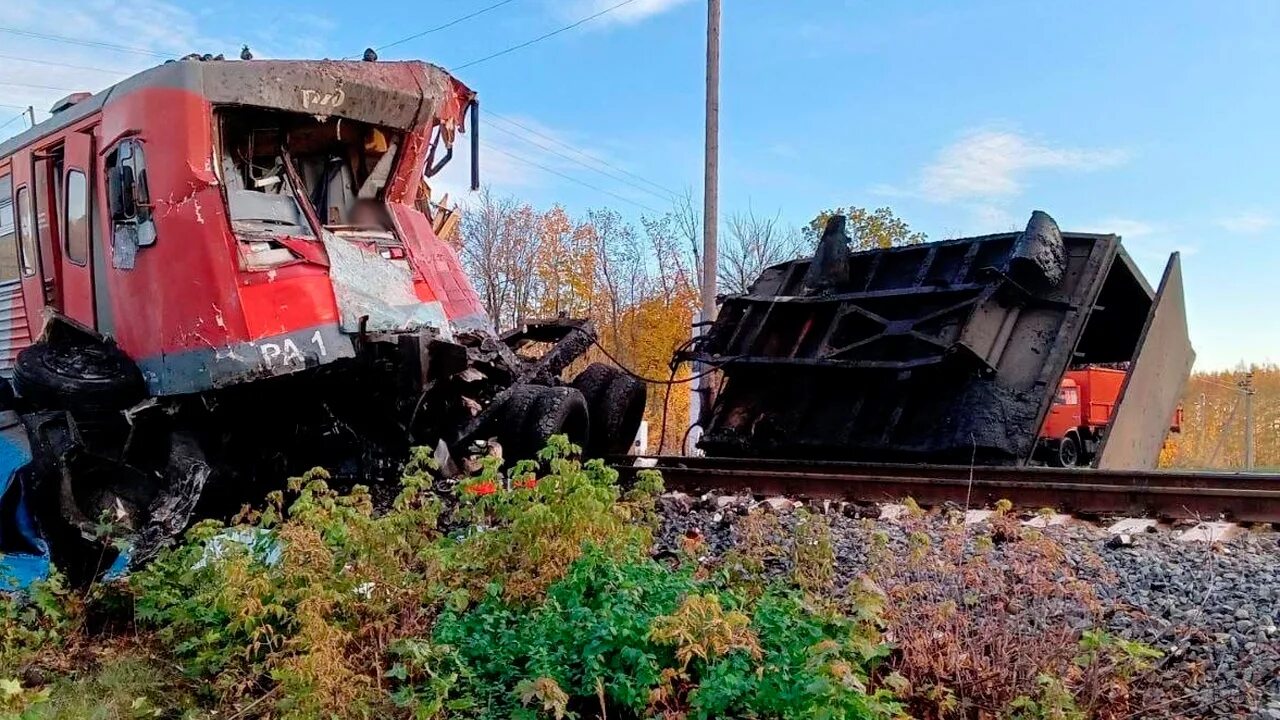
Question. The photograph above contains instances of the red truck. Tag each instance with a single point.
(1080, 413)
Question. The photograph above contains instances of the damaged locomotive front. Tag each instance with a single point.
(233, 272)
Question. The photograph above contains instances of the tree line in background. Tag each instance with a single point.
(1213, 421)
(638, 282)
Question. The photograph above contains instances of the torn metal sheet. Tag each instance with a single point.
(1155, 382)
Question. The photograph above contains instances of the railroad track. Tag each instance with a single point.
(1240, 497)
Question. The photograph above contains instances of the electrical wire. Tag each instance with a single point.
(544, 36)
(13, 119)
(38, 87)
(53, 63)
(491, 114)
(84, 43)
(570, 178)
(1215, 383)
(449, 24)
(572, 159)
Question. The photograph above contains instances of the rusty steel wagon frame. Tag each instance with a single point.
(949, 351)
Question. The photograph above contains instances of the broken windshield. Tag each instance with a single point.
(342, 166)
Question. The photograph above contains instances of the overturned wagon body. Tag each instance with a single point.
(945, 352)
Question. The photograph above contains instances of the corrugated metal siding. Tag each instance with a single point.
(15, 334)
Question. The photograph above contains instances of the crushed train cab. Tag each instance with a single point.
(218, 271)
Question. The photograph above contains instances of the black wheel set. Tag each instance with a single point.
(601, 410)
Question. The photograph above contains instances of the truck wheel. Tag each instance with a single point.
(616, 403)
(71, 376)
(533, 413)
(1068, 452)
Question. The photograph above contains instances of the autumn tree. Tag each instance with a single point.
(753, 243)
(637, 284)
(1213, 421)
(869, 229)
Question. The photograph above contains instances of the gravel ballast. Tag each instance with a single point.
(1213, 609)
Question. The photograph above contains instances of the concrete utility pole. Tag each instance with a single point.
(31, 114)
(711, 179)
(701, 401)
(1246, 387)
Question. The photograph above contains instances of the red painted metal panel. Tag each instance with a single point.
(183, 291)
(33, 282)
(1064, 414)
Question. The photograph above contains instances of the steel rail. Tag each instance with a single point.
(1242, 497)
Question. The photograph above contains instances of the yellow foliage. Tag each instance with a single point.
(1212, 433)
(638, 291)
(700, 628)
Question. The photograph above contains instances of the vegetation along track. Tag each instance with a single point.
(1253, 497)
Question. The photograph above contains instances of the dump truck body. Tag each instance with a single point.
(944, 352)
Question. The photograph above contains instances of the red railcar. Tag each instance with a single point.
(160, 213)
(226, 271)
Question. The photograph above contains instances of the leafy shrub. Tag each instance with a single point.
(529, 594)
(304, 600)
(991, 624)
(631, 637)
(534, 532)
(35, 624)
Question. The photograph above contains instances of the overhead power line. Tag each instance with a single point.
(449, 24)
(85, 43)
(594, 158)
(570, 178)
(53, 63)
(544, 36)
(13, 119)
(573, 159)
(40, 87)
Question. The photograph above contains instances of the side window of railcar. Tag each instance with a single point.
(26, 223)
(130, 199)
(76, 219)
(8, 233)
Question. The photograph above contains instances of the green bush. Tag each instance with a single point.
(633, 637)
(532, 595)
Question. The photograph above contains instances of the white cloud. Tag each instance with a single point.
(626, 15)
(988, 164)
(1248, 223)
(993, 219)
(158, 26)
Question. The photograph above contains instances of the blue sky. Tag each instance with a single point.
(1153, 121)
